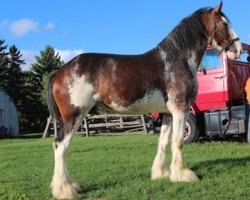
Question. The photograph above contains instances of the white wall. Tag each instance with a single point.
(9, 114)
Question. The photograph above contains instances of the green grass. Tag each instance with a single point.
(118, 167)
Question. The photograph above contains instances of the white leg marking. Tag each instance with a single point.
(158, 169)
(63, 186)
(179, 172)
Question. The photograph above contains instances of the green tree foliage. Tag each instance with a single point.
(28, 89)
(46, 64)
(44, 94)
(15, 75)
(32, 112)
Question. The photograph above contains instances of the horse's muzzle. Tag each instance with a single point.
(232, 55)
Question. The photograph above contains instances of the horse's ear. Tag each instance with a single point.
(217, 9)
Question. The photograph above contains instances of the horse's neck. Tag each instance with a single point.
(192, 54)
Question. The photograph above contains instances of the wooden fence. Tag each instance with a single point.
(113, 123)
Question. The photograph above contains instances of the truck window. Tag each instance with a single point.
(210, 60)
(244, 57)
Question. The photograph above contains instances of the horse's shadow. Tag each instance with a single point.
(87, 189)
(228, 164)
(208, 165)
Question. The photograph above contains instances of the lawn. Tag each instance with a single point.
(118, 167)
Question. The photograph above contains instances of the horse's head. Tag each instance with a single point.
(221, 34)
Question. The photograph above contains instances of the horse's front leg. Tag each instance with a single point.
(159, 169)
(179, 172)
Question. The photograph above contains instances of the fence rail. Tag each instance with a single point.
(114, 123)
(111, 123)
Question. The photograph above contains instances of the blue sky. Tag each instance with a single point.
(111, 26)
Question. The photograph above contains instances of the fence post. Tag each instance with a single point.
(121, 122)
(45, 133)
(86, 126)
(144, 124)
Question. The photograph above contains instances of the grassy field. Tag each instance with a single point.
(118, 167)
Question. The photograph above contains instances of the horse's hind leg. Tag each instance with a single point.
(63, 186)
(179, 172)
(159, 169)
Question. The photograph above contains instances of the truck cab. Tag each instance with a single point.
(221, 80)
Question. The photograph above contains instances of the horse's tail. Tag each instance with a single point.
(52, 106)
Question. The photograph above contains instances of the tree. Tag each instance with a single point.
(47, 63)
(15, 75)
(44, 94)
(4, 60)
(31, 110)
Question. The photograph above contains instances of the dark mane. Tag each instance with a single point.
(185, 34)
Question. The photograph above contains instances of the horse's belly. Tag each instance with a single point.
(151, 102)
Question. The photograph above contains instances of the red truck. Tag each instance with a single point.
(220, 107)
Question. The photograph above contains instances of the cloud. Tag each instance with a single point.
(67, 55)
(50, 26)
(29, 56)
(23, 26)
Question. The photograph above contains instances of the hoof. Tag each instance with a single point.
(66, 190)
(183, 175)
(159, 174)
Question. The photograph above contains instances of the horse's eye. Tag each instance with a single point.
(225, 24)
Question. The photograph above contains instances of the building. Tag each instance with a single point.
(9, 124)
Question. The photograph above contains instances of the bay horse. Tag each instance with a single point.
(160, 80)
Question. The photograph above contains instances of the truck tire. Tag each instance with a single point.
(190, 131)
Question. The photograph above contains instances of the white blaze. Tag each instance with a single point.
(233, 35)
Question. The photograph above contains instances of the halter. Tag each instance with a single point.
(229, 43)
